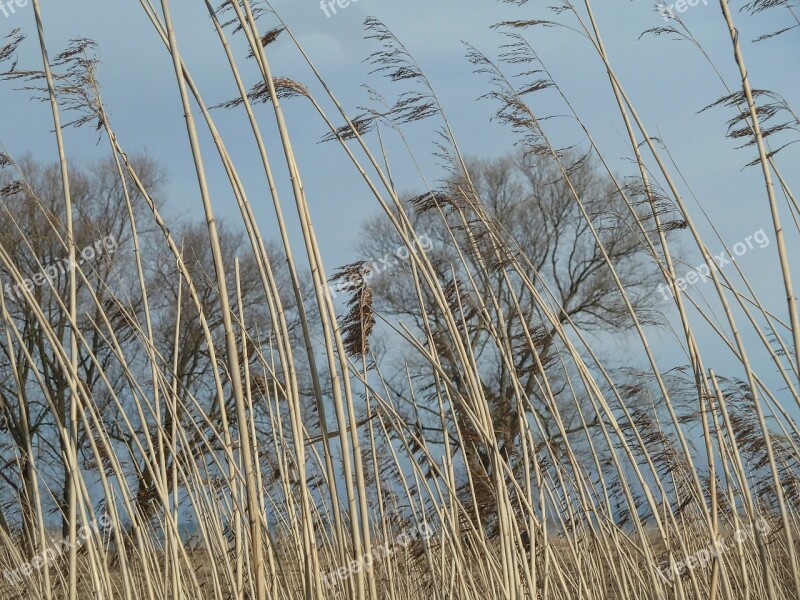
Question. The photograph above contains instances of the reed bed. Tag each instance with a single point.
(203, 412)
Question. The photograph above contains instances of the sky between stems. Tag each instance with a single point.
(669, 81)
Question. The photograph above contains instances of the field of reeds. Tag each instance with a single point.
(213, 410)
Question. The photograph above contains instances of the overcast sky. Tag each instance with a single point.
(667, 80)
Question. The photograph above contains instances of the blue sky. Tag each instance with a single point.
(667, 80)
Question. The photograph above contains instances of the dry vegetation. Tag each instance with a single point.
(188, 417)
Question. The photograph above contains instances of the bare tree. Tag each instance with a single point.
(34, 390)
(527, 204)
